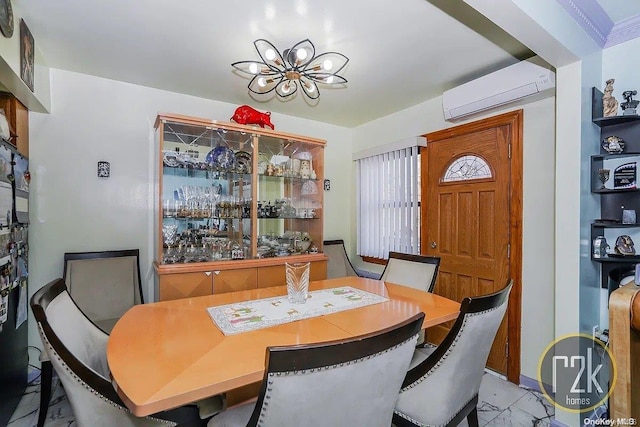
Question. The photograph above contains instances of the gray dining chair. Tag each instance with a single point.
(441, 387)
(338, 264)
(416, 271)
(104, 284)
(351, 382)
(77, 350)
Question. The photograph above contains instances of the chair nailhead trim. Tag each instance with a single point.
(263, 409)
(89, 388)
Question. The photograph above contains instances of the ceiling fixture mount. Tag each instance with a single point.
(297, 66)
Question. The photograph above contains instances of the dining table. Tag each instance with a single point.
(167, 354)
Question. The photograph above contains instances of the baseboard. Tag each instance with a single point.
(531, 384)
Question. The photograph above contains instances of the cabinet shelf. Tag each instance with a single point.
(615, 120)
(626, 259)
(293, 217)
(614, 225)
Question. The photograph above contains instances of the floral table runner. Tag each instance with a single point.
(257, 314)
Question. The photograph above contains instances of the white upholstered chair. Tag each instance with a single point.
(352, 382)
(114, 275)
(441, 387)
(77, 351)
(338, 264)
(104, 285)
(416, 271)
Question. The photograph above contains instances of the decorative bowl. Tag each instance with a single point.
(221, 158)
(243, 162)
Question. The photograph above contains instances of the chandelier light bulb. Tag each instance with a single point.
(262, 82)
(301, 54)
(329, 80)
(285, 88)
(311, 87)
(327, 64)
(270, 54)
(253, 68)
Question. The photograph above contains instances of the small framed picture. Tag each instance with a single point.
(104, 169)
(27, 53)
(327, 185)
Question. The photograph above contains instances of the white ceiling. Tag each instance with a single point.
(619, 10)
(401, 52)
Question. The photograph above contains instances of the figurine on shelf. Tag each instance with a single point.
(630, 105)
(609, 102)
(305, 169)
(270, 170)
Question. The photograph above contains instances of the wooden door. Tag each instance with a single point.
(468, 219)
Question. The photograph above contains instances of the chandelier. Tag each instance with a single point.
(297, 66)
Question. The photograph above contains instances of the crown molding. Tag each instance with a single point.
(624, 31)
(591, 18)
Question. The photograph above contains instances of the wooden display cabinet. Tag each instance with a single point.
(234, 203)
(18, 117)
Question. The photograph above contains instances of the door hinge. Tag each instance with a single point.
(509, 150)
(506, 350)
(508, 250)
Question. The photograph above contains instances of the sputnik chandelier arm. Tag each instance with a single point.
(297, 66)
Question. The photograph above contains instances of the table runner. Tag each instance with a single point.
(257, 314)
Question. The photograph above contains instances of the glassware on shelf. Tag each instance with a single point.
(603, 176)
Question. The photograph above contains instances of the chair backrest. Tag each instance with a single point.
(338, 264)
(113, 275)
(438, 388)
(77, 350)
(416, 271)
(352, 382)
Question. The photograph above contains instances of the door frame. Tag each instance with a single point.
(514, 120)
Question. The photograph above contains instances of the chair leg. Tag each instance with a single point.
(472, 418)
(46, 374)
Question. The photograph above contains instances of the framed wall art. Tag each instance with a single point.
(27, 53)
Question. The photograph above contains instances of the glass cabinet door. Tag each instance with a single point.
(289, 197)
(206, 189)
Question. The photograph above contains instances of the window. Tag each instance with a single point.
(467, 167)
(388, 195)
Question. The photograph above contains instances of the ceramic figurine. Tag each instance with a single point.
(609, 102)
(305, 169)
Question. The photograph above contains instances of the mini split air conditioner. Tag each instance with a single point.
(498, 88)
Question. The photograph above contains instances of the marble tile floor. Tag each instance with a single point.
(501, 404)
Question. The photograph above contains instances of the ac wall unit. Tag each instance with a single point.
(498, 88)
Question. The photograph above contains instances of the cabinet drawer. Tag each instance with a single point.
(234, 280)
(185, 285)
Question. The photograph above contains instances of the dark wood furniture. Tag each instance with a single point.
(106, 267)
(18, 117)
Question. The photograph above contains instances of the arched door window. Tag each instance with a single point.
(467, 167)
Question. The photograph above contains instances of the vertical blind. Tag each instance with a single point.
(388, 195)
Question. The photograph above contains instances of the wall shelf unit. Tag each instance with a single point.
(619, 191)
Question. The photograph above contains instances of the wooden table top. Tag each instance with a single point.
(168, 354)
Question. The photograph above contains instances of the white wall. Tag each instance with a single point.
(621, 62)
(538, 207)
(98, 119)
